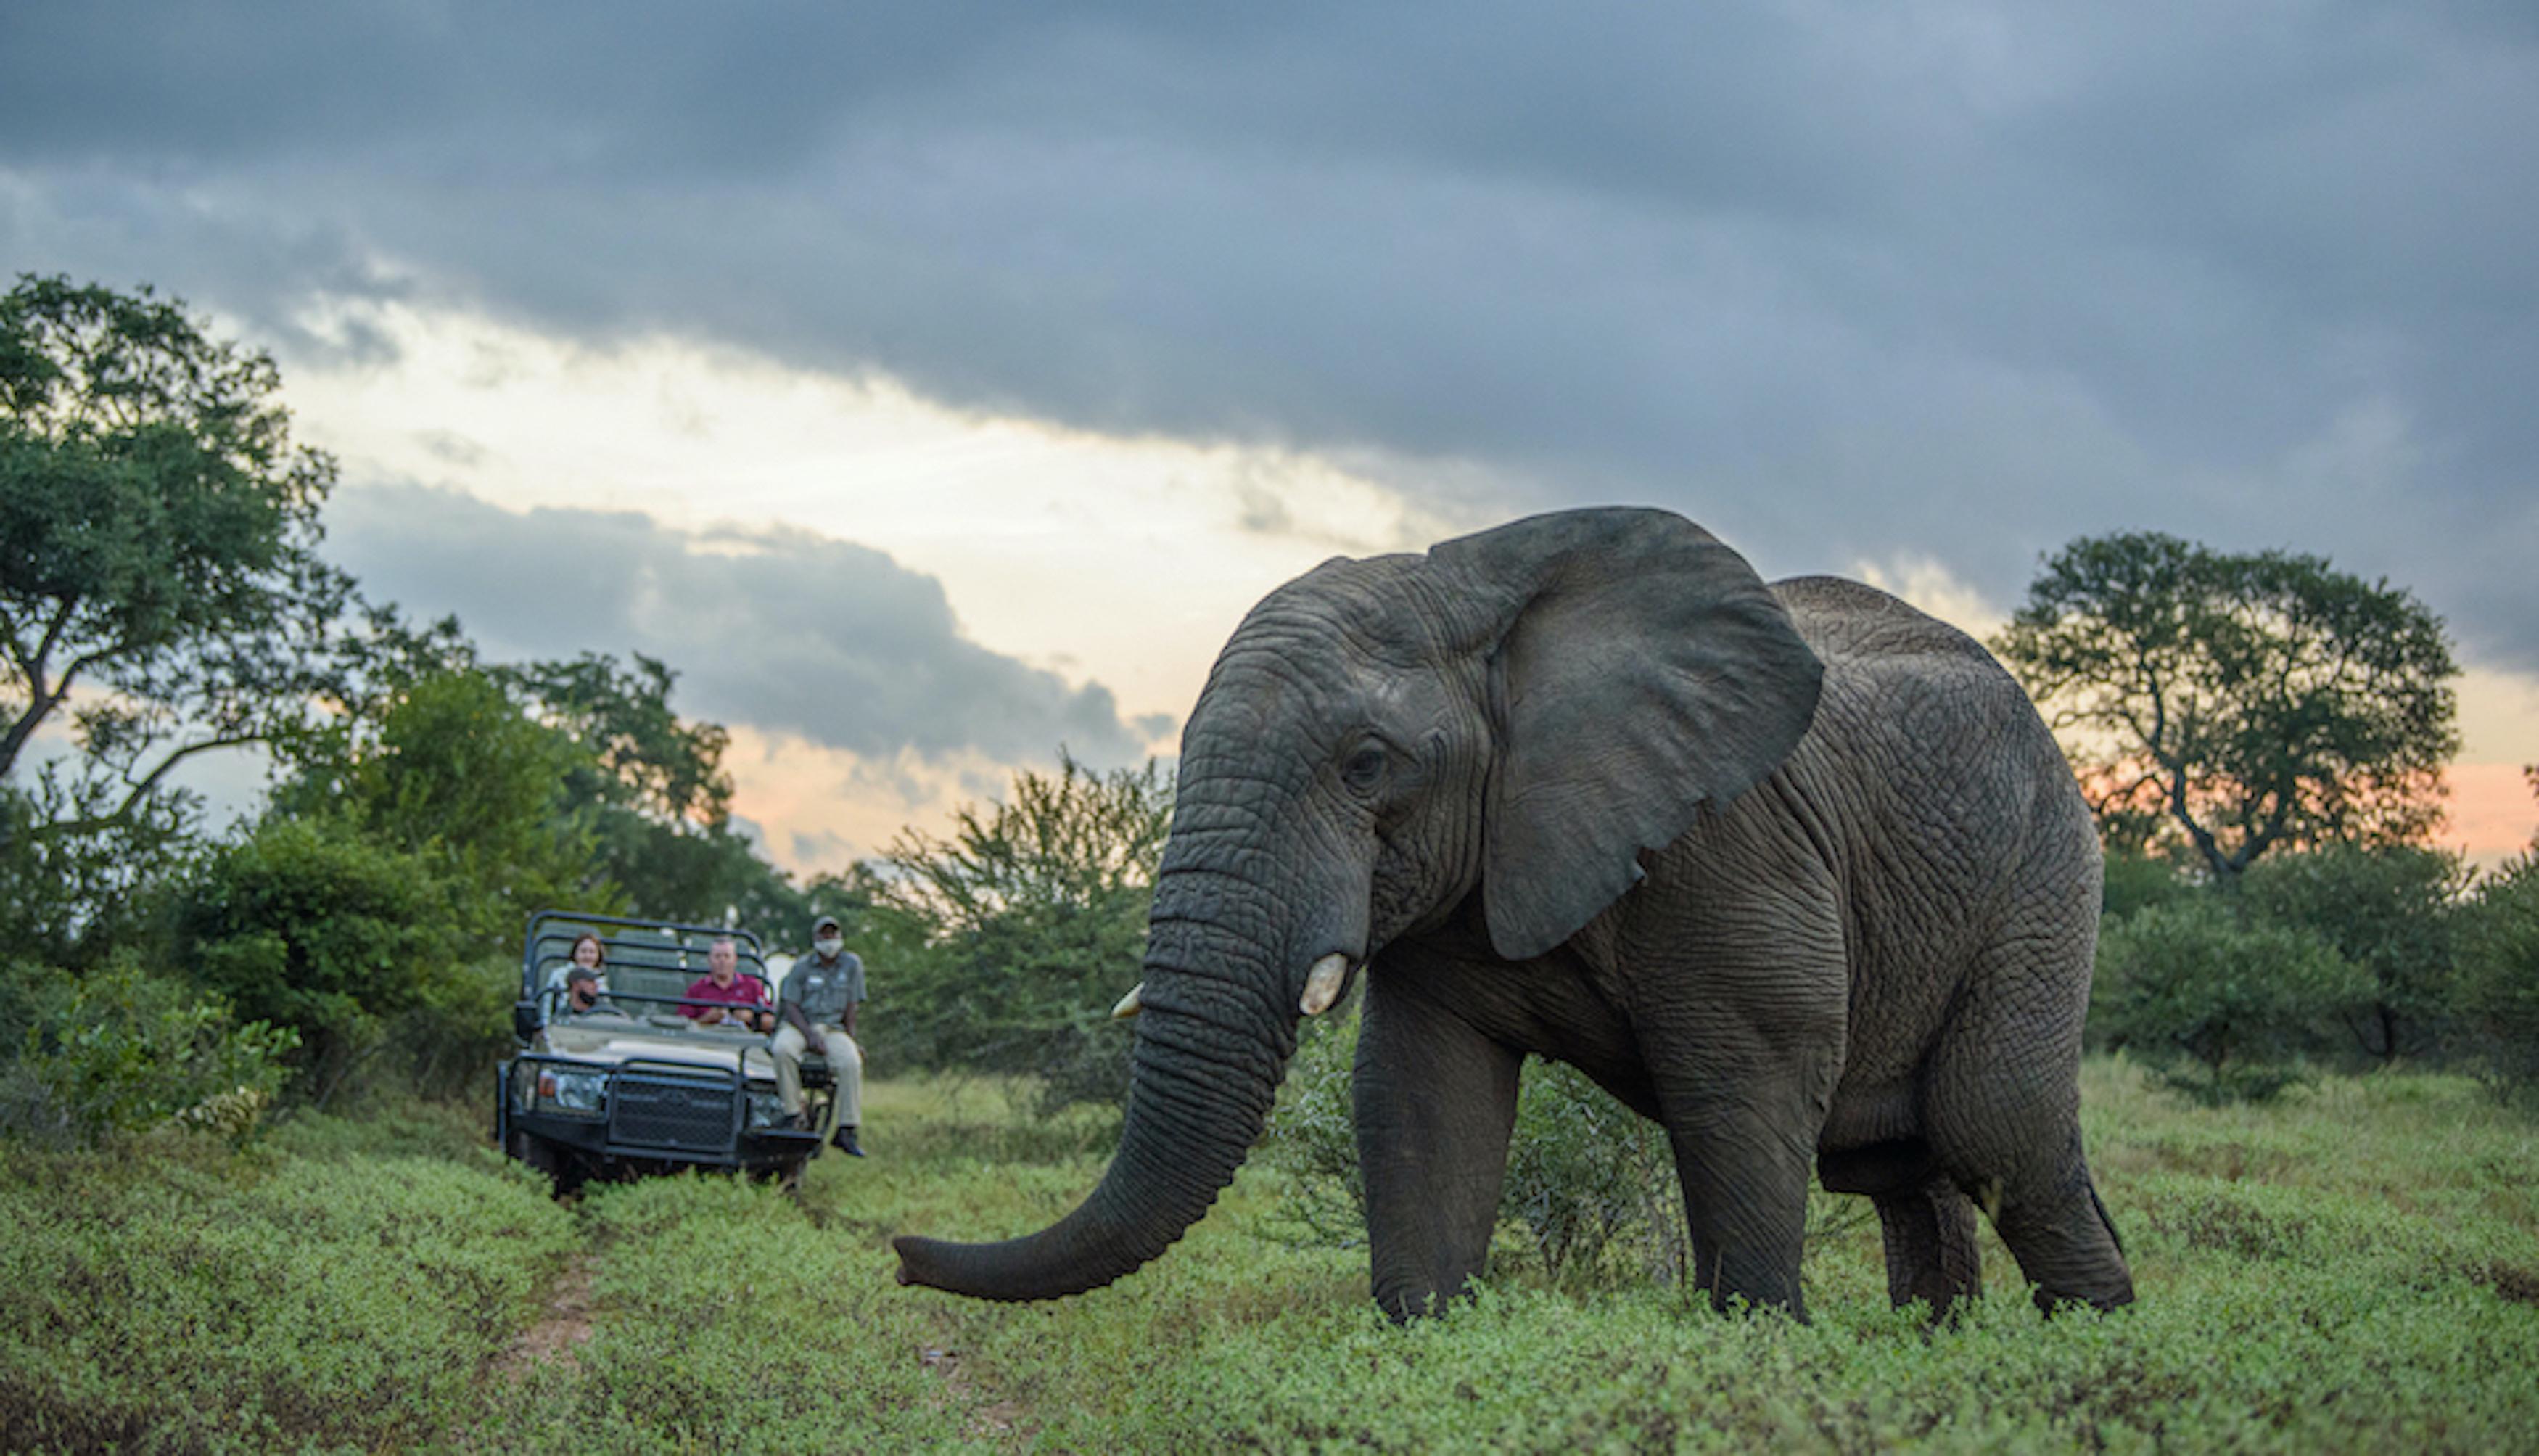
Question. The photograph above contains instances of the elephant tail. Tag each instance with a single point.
(2100, 1204)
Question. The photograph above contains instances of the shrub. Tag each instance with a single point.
(2201, 982)
(2390, 910)
(310, 924)
(1589, 1181)
(122, 1051)
(1313, 1136)
(1010, 940)
(2136, 882)
(459, 1028)
(1588, 1177)
(2499, 976)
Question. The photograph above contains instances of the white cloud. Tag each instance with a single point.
(1929, 584)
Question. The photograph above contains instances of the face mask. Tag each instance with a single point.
(828, 946)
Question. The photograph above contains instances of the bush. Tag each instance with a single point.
(1010, 940)
(1591, 1183)
(1312, 1136)
(2136, 882)
(2390, 910)
(1589, 1178)
(2499, 976)
(2202, 982)
(459, 1028)
(173, 1304)
(123, 1051)
(310, 924)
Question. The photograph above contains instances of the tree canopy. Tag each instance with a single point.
(2238, 702)
(156, 535)
(655, 792)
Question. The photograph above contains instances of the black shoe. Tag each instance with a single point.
(795, 1122)
(844, 1142)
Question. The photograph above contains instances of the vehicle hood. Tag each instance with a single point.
(628, 1042)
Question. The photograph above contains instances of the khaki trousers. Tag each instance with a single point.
(845, 1065)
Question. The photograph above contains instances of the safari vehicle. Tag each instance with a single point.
(634, 1086)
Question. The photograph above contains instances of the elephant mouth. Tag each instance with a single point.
(1327, 985)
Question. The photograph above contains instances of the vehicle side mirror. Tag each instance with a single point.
(525, 1020)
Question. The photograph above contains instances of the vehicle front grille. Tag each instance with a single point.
(671, 1112)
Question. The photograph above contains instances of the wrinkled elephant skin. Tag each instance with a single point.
(1795, 871)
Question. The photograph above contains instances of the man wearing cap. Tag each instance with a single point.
(581, 993)
(819, 1009)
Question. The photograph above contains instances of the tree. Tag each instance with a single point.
(1017, 933)
(2388, 909)
(2499, 971)
(2237, 703)
(157, 529)
(457, 775)
(656, 796)
(160, 589)
(386, 875)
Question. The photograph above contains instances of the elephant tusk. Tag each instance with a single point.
(1323, 984)
(1129, 1004)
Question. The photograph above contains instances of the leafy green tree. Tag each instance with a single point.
(2137, 881)
(2500, 971)
(2238, 703)
(160, 529)
(364, 910)
(2388, 909)
(160, 587)
(459, 776)
(1016, 934)
(2201, 982)
(657, 798)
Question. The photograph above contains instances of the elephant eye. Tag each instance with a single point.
(1364, 768)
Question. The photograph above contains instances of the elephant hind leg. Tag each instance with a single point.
(2002, 1113)
(1931, 1253)
(2059, 1231)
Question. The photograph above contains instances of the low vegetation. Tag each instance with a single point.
(2352, 1267)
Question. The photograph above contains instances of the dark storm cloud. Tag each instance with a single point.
(1961, 281)
(787, 631)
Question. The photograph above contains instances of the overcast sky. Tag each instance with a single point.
(935, 383)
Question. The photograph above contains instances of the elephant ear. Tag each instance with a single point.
(1640, 669)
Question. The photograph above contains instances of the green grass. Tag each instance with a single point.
(2356, 1267)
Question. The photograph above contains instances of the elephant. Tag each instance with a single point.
(1793, 870)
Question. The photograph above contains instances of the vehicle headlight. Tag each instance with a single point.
(574, 1089)
(766, 1109)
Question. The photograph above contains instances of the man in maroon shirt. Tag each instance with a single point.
(724, 983)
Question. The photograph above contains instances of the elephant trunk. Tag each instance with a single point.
(1211, 1045)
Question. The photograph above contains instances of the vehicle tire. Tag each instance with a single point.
(563, 1168)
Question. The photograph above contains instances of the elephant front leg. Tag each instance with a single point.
(1436, 1101)
(1744, 1179)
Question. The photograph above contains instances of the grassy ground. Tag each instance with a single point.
(2354, 1268)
